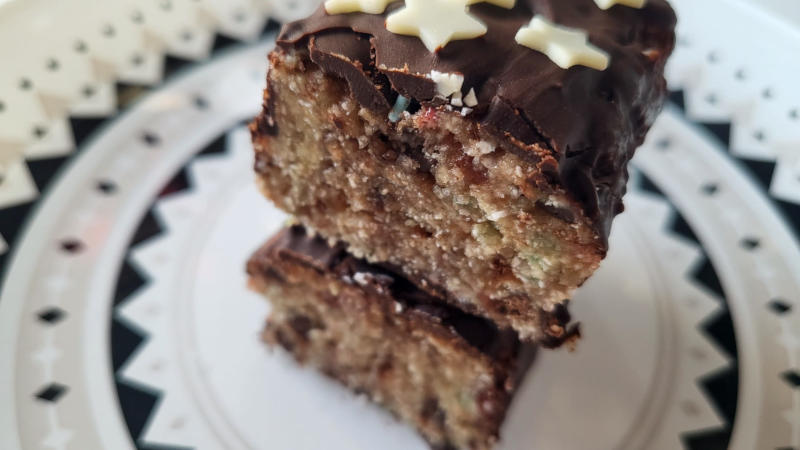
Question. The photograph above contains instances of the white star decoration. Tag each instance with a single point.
(349, 6)
(605, 4)
(435, 22)
(508, 4)
(566, 47)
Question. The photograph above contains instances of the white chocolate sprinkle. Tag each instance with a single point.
(352, 181)
(507, 4)
(480, 148)
(435, 22)
(465, 111)
(497, 215)
(447, 84)
(564, 46)
(351, 6)
(471, 99)
(457, 100)
(361, 278)
(605, 4)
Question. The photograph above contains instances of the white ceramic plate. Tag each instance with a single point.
(124, 317)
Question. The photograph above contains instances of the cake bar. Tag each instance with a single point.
(449, 374)
(482, 170)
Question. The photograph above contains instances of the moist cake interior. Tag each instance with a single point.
(431, 195)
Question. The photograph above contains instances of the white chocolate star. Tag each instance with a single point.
(349, 6)
(605, 4)
(564, 46)
(435, 22)
(507, 4)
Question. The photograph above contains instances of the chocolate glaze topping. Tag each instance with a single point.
(582, 124)
(313, 251)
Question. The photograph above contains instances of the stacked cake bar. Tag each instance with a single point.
(460, 164)
(448, 373)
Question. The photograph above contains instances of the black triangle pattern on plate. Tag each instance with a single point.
(125, 340)
(678, 99)
(13, 218)
(761, 171)
(707, 277)
(44, 171)
(138, 403)
(647, 185)
(217, 147)
(722, 387)
(179, 182)
(682, 228)
(148, 228)
(707, 440)
(139, 406)
(84, 127)
(720, 130)
(129, 281)
(11, 221)
(174, 64)
(222, 42)
(791, 212)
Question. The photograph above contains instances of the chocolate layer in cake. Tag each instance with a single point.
(484, 172)
(449, 374)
